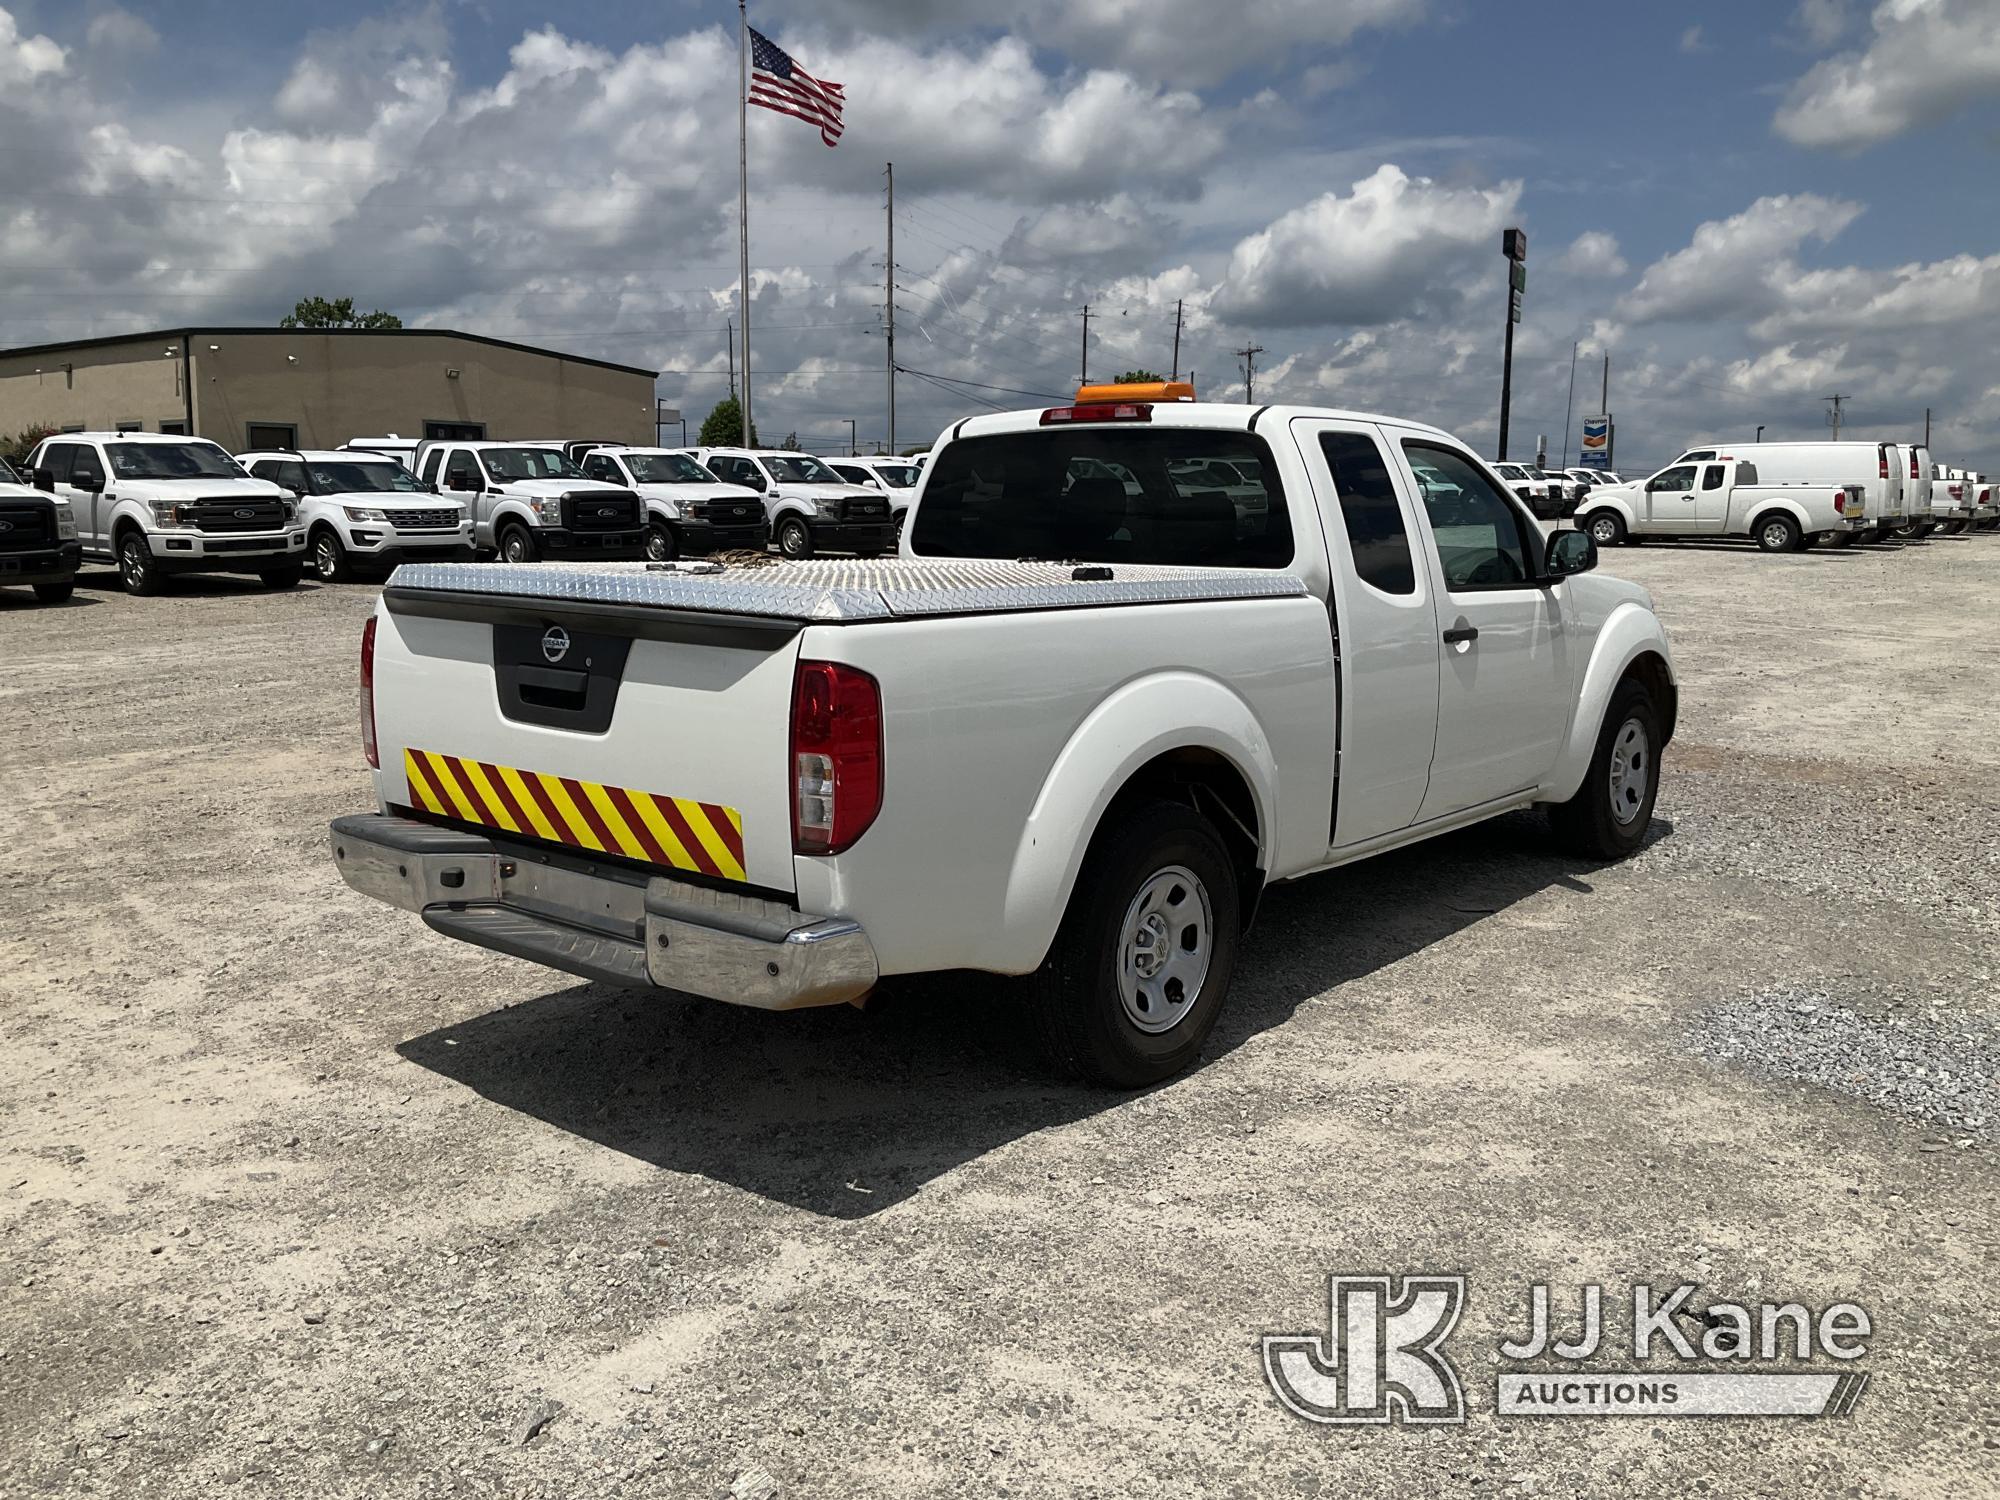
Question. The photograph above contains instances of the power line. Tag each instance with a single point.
(1249, 357)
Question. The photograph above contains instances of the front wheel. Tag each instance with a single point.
(55, 593)
(329, 559)
(661, 543)
(1778, 534)
(1606, 528)
(795, 537)
(1135, 979)
(516, 546)
(1608, 816)
(136, 568)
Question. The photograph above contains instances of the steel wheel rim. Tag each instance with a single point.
(792, 540)
(1631, 771)
(1602, 531)
(514, 549)
(657, 549)
(1165, 948)
(1775, 535)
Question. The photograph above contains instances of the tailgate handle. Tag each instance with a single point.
(548, 687)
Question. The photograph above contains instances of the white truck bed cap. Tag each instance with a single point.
(839, 590)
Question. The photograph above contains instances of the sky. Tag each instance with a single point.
(1746, 207)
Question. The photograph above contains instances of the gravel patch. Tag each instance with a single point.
(1915, 1056)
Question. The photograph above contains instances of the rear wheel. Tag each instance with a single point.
(662, 544)
(1778, 534)
(1608, 816)
(1840, 539)
(279, 579)
(795, 537)
(1606, 528)
(1136, 977)
(136, 567)
(516, 546)
(329, 558)
(1954, 528)
(55, 593)
(1869, 537)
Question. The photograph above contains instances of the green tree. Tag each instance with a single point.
(317, 312)
(791, 442)
(724, 426)
(17, 448)
(1140, 377)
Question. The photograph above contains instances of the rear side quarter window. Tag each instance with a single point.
(1370, 512)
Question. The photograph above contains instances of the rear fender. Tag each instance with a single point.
(1764, 505)
(1139, 722)
(1629, 633)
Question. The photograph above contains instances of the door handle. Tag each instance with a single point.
(1461, 633)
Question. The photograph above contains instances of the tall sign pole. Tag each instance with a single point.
(743, 188)
(889, 298)
(1514, 245)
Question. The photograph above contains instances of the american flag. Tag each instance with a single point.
(778, 83)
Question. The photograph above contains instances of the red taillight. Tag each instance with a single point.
(1985, 498)
(836, 756)
(1883, 455)
(368, 745)
(1124, 411)
(1913, 465)
(1840, 502)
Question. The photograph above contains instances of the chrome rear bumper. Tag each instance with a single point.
(603, 921)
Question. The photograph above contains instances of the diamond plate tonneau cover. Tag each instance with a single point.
(837, 590)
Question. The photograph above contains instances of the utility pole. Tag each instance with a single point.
(889, 300)
(1610, 427)
(1833, 416)
(1177, 340)
(1570, 410)
(1927, 428)
(731, 326)
(1249, 358)
(1513, 245)
(1760, 431)
(1083, 378)
(853, 443)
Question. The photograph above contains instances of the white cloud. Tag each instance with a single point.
(1962, 291)
(1732, 266)
(1592, 253)
(1369, 257)
(1821, 23)
(23, 59)
(1926, 60)
(118, 30)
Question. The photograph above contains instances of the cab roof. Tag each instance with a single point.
(1216, 415)
(321, 455)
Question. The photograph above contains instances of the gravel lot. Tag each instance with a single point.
(297, 1198)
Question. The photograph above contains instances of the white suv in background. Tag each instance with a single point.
(365, 510)
(687, 508)
(810, 507)
(158, 505)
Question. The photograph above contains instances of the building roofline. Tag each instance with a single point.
(190, 331)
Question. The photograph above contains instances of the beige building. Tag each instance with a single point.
(316, 388)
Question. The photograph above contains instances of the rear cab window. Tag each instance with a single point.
(1107, 494)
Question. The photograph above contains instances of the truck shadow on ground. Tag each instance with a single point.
(845, 1113)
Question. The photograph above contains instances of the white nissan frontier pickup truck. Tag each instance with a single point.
(1070, 733)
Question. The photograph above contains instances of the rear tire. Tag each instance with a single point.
(516, 546)
(277, 580)
(1869, 537)
(1608, 816)
(137, 569)
(1605, 527)
(1954, 528)
(1838, 539)
(1136, 977)
(1778, 533)
(55, 593)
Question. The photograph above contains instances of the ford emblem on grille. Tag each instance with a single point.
(6, 525)
(605, 510)
(555, 644)
(244, 515)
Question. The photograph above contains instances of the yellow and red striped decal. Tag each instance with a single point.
(673, 831)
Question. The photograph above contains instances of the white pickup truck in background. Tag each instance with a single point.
(1722, 495)
(1071, 733)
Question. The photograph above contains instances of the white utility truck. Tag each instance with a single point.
(529, 501)
(1873, 470)
(688, 510)
(811, 508)
(159, 505)
(1069, 733)
(1720, 493)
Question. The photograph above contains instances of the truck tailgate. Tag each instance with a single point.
(660, 741)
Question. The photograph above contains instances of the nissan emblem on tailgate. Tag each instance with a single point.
(555, 644)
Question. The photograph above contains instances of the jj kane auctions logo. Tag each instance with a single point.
(1382, 1358)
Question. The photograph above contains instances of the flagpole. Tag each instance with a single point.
(743, 190)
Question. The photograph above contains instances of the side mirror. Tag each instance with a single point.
(91, 482)
(45, 479)
(1568, 553)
